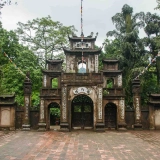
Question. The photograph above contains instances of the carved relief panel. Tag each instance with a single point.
(91, 64)
(70, 64)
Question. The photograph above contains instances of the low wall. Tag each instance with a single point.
(130, 119)
(34, 118)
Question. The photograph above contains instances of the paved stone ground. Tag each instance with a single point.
(80, 145)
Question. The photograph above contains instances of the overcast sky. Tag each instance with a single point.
(96, 13)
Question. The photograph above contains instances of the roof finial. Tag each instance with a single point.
(82, 18)
(82, 35)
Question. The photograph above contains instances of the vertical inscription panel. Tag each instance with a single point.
(122, 109)
(64, 104)
(26, 114)
(100, 103)
(42, 110)
(96, 63)
(137, 109)
(44, 81)
(119, 80)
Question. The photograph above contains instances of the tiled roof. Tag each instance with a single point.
(84, 50)
(84, 38)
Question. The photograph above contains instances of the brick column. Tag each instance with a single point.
(42, 124)
(137, 103)
(100, 119)
(27, 102)
(121, 115)
(64, 110)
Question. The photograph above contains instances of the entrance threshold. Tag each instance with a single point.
(110, 129)
(80, 128)
(55, 127)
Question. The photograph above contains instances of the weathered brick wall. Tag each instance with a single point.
(130, 119)
(145, 119)
(34, 118)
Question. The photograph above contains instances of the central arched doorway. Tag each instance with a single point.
(82, 112)
(111, 116)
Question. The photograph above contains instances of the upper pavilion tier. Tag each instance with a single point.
(87, 43)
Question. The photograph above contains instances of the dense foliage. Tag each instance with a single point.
(20, 60)
(44, 36)
(131, 50)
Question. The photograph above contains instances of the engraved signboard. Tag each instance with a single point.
(82, 90)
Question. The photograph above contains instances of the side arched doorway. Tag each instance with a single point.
(111, 116)
(53, 116)
(82, 112)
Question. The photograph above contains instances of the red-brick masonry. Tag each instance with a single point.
(80, 145)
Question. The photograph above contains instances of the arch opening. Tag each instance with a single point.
(54, 115)
(82, 112)
(111, 116)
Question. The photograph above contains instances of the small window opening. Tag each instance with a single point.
(110, 83)
(55, 83)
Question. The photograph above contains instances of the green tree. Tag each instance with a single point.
(127, 46)
(44, 36)
(158, 5)
(11, 80)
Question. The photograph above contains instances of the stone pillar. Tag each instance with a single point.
(121, 115)
(27, 102)
(64, 110)
(99, 124)
(137, 103)
(42, 124)
(151, 117)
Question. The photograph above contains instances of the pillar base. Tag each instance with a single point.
(153, 128)
(42, 126)
(122, 126)
(100, 127)
(137, 126)
(64, 127)
(26, 127)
